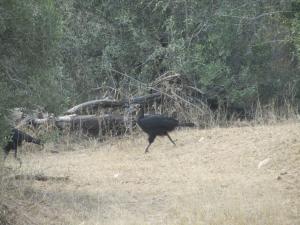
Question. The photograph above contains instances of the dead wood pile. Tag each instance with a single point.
(171, 94)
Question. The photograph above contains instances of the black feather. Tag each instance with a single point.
(157, 125)
(15, 139)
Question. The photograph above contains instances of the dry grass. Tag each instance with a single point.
(210, 177)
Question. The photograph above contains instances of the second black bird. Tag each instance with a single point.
(15, 139)
(157, 125)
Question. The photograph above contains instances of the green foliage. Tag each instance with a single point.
(29, 35)
(57, 53)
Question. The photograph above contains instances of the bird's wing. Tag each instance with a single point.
(159, 122)
(20, 135)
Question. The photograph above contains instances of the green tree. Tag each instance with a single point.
(29, 34)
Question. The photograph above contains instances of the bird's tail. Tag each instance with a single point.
(31, 139)
(187, 124)
(37, 141)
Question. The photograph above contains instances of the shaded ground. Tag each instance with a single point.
(210, 177)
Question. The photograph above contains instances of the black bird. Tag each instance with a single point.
(157, 125)
(15, 139)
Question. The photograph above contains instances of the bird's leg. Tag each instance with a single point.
(16, 156)
(20, 161)
(6, 151)
(16, 152)
(170, 139)
(151, 139)
(146, 149)
(5, 156)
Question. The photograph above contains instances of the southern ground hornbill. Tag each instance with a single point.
(157, 125)
(15, 139)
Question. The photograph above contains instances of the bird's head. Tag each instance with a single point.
(38, 141)
(140, 110)
(137, 106)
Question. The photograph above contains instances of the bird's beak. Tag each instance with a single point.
(131, 109)
(134, 107)
(137, 106)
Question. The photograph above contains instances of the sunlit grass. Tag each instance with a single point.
(210, 177)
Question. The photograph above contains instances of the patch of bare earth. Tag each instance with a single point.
(237, 176)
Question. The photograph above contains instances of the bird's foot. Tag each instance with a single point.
(20, 162)
(175, 141)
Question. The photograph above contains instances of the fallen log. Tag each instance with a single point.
(40, 177)
(94, 125)
(91, 107)
(94, 105)
(35, 122)
(146, 99)
(63, 121)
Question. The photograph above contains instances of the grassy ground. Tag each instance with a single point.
(235, 176)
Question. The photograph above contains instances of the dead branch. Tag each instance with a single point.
(164, 78)
(94, 105)
(94, 124)
(40, 177)
(146, 99)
